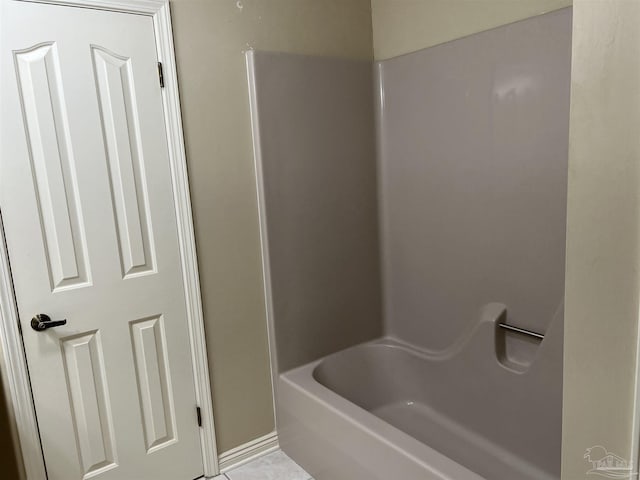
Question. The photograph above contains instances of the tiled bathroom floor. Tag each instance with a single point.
(275, 466)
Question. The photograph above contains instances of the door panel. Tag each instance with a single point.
(87, 204)
(90, 405)
(52, 164)
(154, 383)
(121, 130)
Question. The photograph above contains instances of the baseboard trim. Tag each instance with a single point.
(245, 453)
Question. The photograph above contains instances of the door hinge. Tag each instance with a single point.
(161, 74)
(199, 415)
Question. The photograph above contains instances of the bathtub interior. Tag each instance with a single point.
(493, 422)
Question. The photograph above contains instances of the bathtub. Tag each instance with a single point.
(488, 407)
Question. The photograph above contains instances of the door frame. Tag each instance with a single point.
(15, 374)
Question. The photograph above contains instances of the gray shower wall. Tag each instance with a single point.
(472, 153)
(465, 205)
(313, 125)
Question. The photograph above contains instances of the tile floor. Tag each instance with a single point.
(274, 466)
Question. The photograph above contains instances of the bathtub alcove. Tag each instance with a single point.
(413, 218)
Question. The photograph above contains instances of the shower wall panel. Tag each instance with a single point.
(315, 152)
(472, 153)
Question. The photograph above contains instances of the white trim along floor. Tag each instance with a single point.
(274, 466)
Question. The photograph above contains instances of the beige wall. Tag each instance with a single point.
(210, 37)
(602, 279)
(403, 26)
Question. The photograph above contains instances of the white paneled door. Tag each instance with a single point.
(90, 224)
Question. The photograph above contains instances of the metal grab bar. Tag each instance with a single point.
(521, 330)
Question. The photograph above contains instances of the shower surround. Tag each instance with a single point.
(387, 282)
